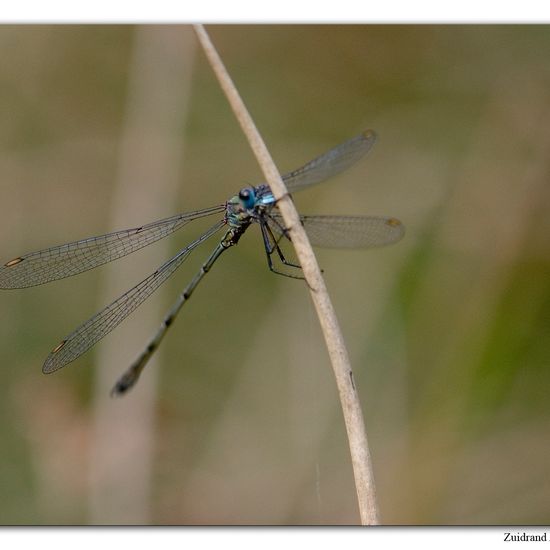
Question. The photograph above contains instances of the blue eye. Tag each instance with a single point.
(248, 197)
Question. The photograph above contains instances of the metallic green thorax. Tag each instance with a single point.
(236, 213)
(245, 208)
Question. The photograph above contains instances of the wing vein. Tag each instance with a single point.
(69, 259)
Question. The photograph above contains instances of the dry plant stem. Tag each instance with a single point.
(362, 467)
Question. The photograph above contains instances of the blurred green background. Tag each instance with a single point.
(106, 127)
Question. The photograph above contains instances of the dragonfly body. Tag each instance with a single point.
(248, 206)
(252, 205)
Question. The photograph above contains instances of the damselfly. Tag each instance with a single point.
(252, 205)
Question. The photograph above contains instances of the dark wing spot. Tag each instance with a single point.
(59, 346)
(13, 262)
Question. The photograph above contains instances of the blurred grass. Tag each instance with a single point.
(448, 330)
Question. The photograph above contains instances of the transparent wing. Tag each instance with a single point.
(347, 231)
(72, 258)
(331, 163)
(98, 326)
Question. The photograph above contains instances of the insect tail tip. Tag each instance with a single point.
(119, 389)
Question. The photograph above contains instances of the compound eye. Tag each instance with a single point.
(247, 197)
(244, 194)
